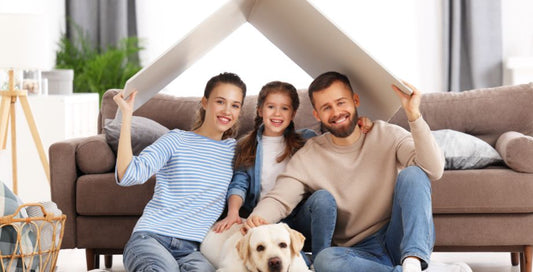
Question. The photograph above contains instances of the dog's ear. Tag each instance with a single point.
(243, 246)
(297, 240)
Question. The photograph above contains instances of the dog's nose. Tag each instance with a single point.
(274, 264)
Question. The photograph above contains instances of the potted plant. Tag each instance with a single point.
(98, 69)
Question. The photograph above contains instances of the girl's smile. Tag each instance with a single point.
(277, 113)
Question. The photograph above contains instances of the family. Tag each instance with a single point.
(360, 192)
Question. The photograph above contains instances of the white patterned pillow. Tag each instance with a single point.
(464, 151)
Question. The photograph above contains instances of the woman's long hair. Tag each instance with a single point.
(247, 146)
(229, 78)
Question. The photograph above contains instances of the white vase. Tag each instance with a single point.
(60, 81)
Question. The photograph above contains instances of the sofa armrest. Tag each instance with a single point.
(94, 156)
(63, 175)
(516, 150)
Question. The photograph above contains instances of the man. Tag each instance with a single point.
(384, 217)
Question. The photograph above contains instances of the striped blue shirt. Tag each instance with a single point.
(192, 177)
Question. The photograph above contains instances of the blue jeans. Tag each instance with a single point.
(315, 218)
(146, 251)
(410, 232)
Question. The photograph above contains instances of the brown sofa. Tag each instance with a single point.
(487, 209)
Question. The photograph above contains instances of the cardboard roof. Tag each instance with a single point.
(298, 29)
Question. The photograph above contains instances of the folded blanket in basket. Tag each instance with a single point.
(46, 229)
(9, 203)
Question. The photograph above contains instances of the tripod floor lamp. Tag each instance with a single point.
(23, 47)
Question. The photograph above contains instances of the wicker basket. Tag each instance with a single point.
(35, 255)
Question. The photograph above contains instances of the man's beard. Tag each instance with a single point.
(345, 131)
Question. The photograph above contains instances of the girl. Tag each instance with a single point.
(193, 170)
(263, 154)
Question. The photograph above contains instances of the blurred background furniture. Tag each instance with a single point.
(20, 51)
(59, 117)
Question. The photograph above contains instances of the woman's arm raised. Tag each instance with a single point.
(124, 151)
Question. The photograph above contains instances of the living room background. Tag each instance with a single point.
(406, 37)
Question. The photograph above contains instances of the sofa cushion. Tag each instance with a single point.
(484, 191)
(94, 156)
(104, 232)
(99, 194)
(482, 230)
(143, 133)
(463, 151)
(516, 150)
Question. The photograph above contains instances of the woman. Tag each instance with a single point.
(193, 170)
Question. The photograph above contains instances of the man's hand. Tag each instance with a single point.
(226, 223)
(252, 222)
(365, 124)
(410, 103)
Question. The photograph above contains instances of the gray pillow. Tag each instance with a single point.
(464, 151)
(144, 132)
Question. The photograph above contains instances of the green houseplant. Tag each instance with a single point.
(98, 69)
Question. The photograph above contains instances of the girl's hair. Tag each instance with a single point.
(247, 146)
(228, 78)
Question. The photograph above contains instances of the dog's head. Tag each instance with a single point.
(270, 248)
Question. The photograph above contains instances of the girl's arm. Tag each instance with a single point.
(240, 184)
(234, 204)
(124, 151)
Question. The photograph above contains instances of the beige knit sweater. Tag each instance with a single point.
(361, 177)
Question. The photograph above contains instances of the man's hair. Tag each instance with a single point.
(325, 80)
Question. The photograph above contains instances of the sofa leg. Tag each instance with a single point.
(92, 259)
(526, 258)
(108, 260)
(515, 258)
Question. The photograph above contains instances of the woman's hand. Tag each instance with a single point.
(226, 223)
(125, 105)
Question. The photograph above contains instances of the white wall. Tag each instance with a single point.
(54, 12)
(517, 27)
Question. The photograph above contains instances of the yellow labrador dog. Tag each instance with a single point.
(267, 248)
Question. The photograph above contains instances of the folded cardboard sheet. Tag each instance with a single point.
(303, 33)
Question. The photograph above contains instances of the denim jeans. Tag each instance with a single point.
(146, 251)
(315, 218)
(410, 232)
